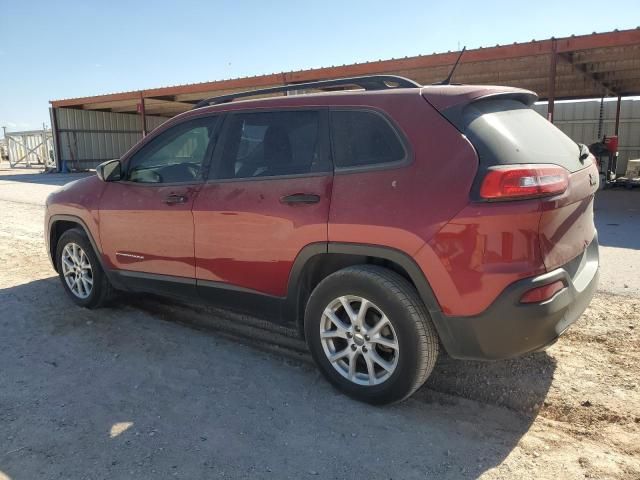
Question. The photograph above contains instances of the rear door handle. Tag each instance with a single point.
(300, 198)
(174, 199)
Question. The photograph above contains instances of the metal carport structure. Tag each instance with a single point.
(575, 67)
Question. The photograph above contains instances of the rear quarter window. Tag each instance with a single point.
(363, 138)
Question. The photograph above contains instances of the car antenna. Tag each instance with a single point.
(447, 81)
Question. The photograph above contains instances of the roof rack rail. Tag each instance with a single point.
(369, 82)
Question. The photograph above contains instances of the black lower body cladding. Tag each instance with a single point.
(509, 328)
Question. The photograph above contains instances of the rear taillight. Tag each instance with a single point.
(540, 294)
(524, 181)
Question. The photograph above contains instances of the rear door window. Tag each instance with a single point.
(271, 144)
(363, 138)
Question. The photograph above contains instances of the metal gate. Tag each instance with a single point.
(32, 148)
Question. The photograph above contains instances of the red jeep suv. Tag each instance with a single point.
(385, 222)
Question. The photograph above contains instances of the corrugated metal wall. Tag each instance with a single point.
(87, 138)
(579, 120)
(90, 137)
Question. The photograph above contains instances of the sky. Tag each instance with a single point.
(63, 49)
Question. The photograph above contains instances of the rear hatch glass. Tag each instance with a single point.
(505, 131)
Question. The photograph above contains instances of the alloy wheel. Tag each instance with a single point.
(359, 341)
(76, 269)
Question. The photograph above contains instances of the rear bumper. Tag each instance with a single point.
(509, 328)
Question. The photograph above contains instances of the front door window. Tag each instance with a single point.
(176, 156)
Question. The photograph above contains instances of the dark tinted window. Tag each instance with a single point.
(363, 138)
(176, 155)
(271, 144)
(505, 131)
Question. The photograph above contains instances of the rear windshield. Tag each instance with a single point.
(505, 131)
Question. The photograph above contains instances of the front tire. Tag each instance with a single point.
(370, 334)
(80, 271)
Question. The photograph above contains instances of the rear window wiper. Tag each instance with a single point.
(584, 152)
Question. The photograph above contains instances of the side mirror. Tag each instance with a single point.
(109, 171)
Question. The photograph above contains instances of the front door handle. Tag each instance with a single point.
(174, 199)
(300, 198)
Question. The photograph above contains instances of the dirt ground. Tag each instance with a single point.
(155, 389)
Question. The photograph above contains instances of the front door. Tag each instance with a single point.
(146, 224)
(268, 197)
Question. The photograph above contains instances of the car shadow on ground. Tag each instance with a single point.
(192, 400)
(520, 384)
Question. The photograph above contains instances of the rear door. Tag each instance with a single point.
(146, 224)
(267, 197)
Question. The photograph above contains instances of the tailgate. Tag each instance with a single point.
(505, 132)
(566, 223)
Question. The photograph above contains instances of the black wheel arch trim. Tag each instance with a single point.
(77, 220)
(292, 307)
(395, 256)
(292, 303)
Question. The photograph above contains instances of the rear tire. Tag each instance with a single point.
(370, 334)
(80, 271)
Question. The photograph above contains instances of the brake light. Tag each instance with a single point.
(540, 294)
(524, 181)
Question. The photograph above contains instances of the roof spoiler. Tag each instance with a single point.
(452, 106)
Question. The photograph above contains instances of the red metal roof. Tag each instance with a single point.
(586, 66)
